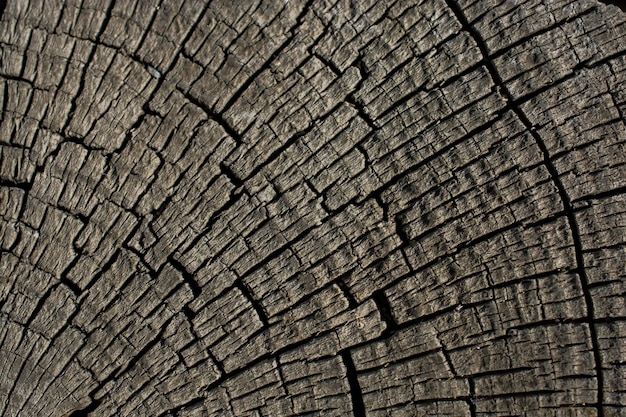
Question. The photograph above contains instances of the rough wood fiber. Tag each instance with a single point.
(289, 208)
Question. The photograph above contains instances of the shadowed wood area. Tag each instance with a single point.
(291, 208)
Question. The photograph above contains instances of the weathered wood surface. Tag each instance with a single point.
(282, 208)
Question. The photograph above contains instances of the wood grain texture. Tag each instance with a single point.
(290, 208)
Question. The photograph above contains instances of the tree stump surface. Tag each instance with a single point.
(289, 208)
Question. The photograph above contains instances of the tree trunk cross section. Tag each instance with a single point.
(292, 207)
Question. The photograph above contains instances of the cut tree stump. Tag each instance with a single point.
(289, 208)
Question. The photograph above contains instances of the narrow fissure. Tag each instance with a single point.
(471, 401)
(358, 406)
(256, 305)
(385, 312)
(187, 276)
(84, 412)
(567, 205)
(3, 5)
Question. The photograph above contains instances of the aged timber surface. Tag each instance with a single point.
(290, 208)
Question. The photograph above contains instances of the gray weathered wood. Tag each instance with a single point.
(281, 208)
